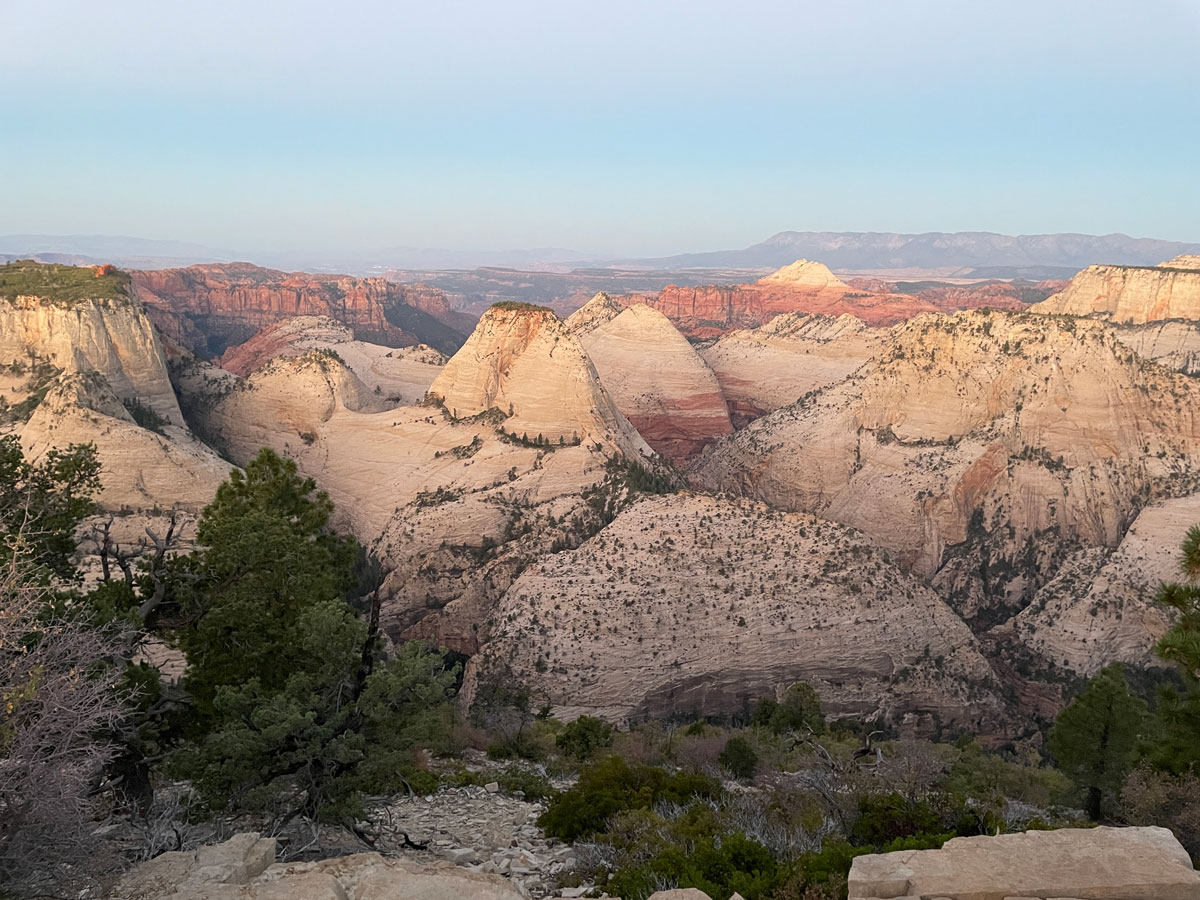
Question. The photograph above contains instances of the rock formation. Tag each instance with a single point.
(1174, 344)
(209, 308)
(111, 337)
(1131, 294)
(654, 376)
(1097, 863)
(522, 362)
(688, 604)
(455, 500)
(401, 375)
(244, 868)
(763, 369)
(802, 287)
(980, 449)
(79, 369)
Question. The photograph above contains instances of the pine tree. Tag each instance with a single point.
(1094, 740)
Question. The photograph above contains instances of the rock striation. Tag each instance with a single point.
(802, 287)
(687, 604)
(654, 376)
(1095, 863)
(111, 337)
(401, 375)
(981, 450)
(1131, 294)
(524, 363)
(209, 308)
(764, 369)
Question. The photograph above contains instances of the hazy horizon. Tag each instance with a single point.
(631, 130)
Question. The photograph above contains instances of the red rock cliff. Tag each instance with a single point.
(210, 307)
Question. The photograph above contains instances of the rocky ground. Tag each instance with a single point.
(481, 830)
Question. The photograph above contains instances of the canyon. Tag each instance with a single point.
(208, 308)
(979, 501)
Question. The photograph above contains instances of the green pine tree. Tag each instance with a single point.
(1094, 740)
(295, 708)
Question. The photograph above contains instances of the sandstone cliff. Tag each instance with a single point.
(690, 605)
(654, 376)
(980, 449)
(211, 307)
(763, 369)
(455, 506)
(523, 362)
(142, 468)
(400, 375)
(1131, 294)
(111, 337)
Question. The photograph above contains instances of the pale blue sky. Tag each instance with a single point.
(618, 127)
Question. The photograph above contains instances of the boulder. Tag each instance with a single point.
(680, 894)
(1091, 864)
(241, 869)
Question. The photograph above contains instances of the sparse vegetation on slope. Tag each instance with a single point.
(62, 284)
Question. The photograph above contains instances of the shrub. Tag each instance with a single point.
(584, 738)
(739, 758)
(800, 710)
(610, 786)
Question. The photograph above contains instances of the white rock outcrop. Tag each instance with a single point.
(1084, 863)
(1131, 294)
(112, 337)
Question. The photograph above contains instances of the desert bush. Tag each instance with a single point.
(610, 786)
(739, 758)
(1150, 797)
(584, 738)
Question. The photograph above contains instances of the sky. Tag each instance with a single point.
(615, 127)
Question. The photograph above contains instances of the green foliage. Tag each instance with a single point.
(1174, 745)
(42, 503)
(612, 785)
(293, 705)
(267, 570)
(532, 785)
(145, 415)
(61, 284)
(800, 710)
(719, 865)
(1094, 740)
(584, 738)
(739, 758)
(518, 305)
(883, 818)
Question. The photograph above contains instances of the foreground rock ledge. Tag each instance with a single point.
(1079, 863)
(244, 868)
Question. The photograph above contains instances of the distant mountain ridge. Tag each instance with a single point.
(935, 250)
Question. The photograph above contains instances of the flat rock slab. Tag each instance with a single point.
(1085, 863)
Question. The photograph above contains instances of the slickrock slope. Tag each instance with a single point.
(1131, 294)
(763, 369)
(1099, 607)
(211, 307)
(402, 375)
(1174, 344)
(81, 363)
(244, 868)
(654, 376)
(689, 604)
(523, 362)
(1102, 863)
(980, 449)
(141, 468)
(455, 506)
(112, 337)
